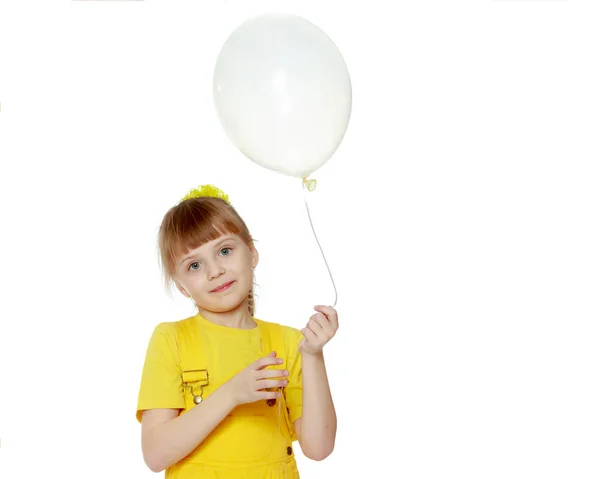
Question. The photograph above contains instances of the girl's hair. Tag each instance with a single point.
(192, 223)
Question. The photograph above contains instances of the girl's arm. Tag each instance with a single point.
(317, 427)
(167, 438)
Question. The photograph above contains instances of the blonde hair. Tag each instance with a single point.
(192, 223)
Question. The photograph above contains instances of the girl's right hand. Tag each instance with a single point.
(251, 383)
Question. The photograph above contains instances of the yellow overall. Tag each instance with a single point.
(192, 358)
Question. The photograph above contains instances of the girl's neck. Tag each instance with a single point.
(239, 318)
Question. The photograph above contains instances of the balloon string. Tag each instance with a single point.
(313, 229)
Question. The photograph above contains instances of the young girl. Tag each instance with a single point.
(223, 394)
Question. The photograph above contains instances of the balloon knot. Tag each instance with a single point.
(310, 184)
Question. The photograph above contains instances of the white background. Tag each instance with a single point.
(460, 220)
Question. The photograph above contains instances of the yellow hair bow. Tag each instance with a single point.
(210, 191)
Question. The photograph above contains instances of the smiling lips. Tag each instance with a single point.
(223, 287)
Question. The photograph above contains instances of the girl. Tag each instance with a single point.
(224, 394)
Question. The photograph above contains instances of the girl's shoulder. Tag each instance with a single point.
(290, 332)
(171, 327)
(169, 331)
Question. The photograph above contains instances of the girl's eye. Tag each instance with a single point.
(226, 249)
(194, 266)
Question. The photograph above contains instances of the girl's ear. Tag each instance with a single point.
(255, 257)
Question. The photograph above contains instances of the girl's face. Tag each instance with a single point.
(218, 275)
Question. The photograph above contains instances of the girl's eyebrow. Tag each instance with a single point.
(228, 238)
(224, 240)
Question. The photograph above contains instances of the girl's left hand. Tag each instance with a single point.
(319, 330)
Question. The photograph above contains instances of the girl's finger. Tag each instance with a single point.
(326, 310)
(314, 328)
(321, 320)
(270, 360)
(272, 373)
(270, 383)
(331, 314)
(315, 325)
(269, 394)
(309, 335)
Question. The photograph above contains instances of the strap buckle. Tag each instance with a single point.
(193, 378)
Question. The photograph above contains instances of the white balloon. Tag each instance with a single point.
(282, 93)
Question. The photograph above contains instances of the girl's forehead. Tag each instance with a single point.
(223, 238)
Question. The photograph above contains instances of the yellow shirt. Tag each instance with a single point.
(252, 442)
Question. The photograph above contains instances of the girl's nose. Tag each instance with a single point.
(215, 271)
